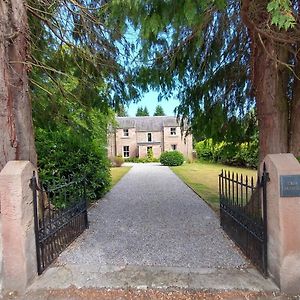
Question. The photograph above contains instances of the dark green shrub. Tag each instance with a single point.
(64, 153)
(171, 158)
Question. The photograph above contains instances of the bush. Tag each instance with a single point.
(64, 153)
(171, 158)
(243, 154)
(118, 160)
(248, 154)
(204, 150)
(141, 160)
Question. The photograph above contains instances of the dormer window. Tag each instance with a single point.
(125, 132)
(173, 130)
(149, 136)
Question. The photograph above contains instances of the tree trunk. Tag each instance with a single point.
(295, 114)
(16, 139)
(271, 102)
(269, 79)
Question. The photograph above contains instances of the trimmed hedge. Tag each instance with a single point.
(244, 154)
(141, 160)
(171, 158)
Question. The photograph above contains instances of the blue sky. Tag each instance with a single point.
(150, 100)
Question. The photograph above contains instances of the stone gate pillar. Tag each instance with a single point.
(17, 232)
(283, 210)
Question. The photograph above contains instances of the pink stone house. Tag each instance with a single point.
(135, 136)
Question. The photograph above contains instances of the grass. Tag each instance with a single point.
(117, 173)
(202, 177)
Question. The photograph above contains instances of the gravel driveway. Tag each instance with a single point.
(151, 218)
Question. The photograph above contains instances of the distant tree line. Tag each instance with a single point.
(143, 111)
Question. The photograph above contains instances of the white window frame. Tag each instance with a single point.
(149, 133)
(126, 153)
(126, 132)
(173, 132)
(174, 147)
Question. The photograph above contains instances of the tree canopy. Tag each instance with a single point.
(190, 50)
(220, 58)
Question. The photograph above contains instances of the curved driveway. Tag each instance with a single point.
(151, 218)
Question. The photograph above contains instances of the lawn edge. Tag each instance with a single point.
(215, 210)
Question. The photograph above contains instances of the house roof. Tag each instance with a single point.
(147, 123)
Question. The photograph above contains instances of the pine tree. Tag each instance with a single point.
(142, 112)
(139, 112)
(159, 111)
(145, 111)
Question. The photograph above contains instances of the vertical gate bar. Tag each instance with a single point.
(220, 197)
(220, 185)
(229, 183)
(86, 204)
(241, 185)
(232, 182)
(247, 191)
(36, 222)
(225, 186)
(254, 200)
(237, 190)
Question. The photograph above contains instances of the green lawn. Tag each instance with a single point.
(117, 173)
(202, 177)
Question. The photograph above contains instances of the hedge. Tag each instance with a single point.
(243, 154)
(65, 153)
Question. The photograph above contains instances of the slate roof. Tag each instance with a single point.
(147, 123)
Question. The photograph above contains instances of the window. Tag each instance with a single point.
(174, 147)
(149, 137)
(126, 151)
(173, 130)
(125, 132)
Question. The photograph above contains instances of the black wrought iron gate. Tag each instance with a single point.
(60, 215)
(243, 214)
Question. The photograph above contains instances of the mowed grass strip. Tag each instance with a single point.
(117, 173)
(203, 178)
